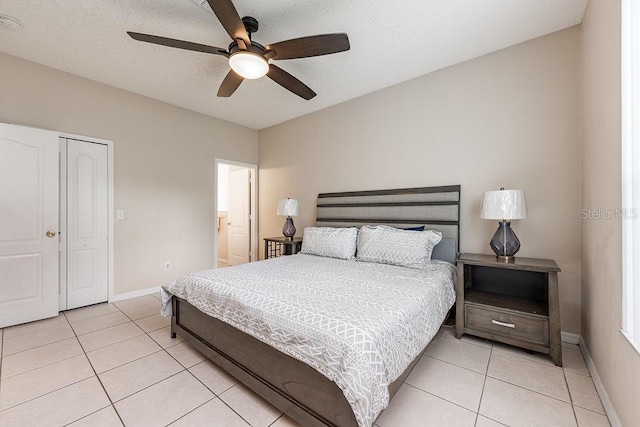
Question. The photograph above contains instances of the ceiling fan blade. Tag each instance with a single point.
(305, 47)
(230, 20)
(289, 82)
(180, 44)
(230, 84)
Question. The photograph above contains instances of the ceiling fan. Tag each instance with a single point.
(249, 59)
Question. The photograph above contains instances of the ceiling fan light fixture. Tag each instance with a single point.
(248, 65)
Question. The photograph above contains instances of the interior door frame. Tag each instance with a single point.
(253, 211)
(110, 207)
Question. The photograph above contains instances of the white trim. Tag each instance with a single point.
(254, 206)
(62, 227)
(630, 151)
(602, 392)
(134, 294)
(569, 338)
(633, 342)
(110, 204)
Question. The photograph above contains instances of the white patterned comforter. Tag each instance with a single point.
(360, 324)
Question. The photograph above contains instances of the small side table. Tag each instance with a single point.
(514, 303)
(277, 246)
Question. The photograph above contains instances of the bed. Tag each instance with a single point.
(295, 373)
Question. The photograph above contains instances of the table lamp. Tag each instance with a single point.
(288, 208)
(504, 205)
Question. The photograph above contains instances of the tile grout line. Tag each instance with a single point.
(104, 346)
(573, 407)
(38, 346)
(92, 317)
(534, 391)
(236, 412)
(129, 362)
(194, 409)
(482, 394)
(61, 388)
(97, 378)
(283, 414)
(216, 396)
(487, 346)
(45, 394)
(505, 352)
(484, 383)
(37, 330)
(439, 397)
(453, 364)
(48, 364)
(185, 369)
(84, 353)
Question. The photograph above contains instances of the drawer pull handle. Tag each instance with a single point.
(499, 323)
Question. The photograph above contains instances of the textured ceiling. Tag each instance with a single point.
(391, 41)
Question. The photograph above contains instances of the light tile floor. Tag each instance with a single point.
(115, 364)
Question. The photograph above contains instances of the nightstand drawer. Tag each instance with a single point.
(534, 329)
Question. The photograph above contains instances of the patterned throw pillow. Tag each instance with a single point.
(330, 242)
(388, 245)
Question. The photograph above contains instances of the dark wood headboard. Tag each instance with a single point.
(437, 208)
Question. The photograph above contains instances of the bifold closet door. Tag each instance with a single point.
(28, 224)
(87, 223)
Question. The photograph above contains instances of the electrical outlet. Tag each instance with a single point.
(167, 266)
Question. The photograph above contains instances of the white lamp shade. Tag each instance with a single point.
(504, 205)
(288, 207)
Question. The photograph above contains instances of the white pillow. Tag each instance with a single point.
(388, 245)
(330, 242)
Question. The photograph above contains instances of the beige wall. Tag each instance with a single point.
(508, 119)
(164, 164)
(617, 363)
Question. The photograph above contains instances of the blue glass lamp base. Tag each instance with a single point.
(505, 243)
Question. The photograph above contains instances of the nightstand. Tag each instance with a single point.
(277, 246)
(515, 303)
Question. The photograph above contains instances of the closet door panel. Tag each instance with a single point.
(87, 223)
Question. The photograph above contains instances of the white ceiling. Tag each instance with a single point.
(391, 42)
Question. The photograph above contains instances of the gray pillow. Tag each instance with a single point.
(389, 245)
(330, 242)
(445, 251)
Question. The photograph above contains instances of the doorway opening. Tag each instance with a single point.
(236, 204)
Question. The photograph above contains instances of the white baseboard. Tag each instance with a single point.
(602, 392)
(135, 294)
(569, 338)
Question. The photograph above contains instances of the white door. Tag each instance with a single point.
(239, 209)
(28, 224)
(87, 223)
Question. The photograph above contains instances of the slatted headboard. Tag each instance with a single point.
(438, 208)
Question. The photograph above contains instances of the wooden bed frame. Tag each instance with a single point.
(295, 388)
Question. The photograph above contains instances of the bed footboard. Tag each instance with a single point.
(295, 388)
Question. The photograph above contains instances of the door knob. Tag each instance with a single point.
(51, 233)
